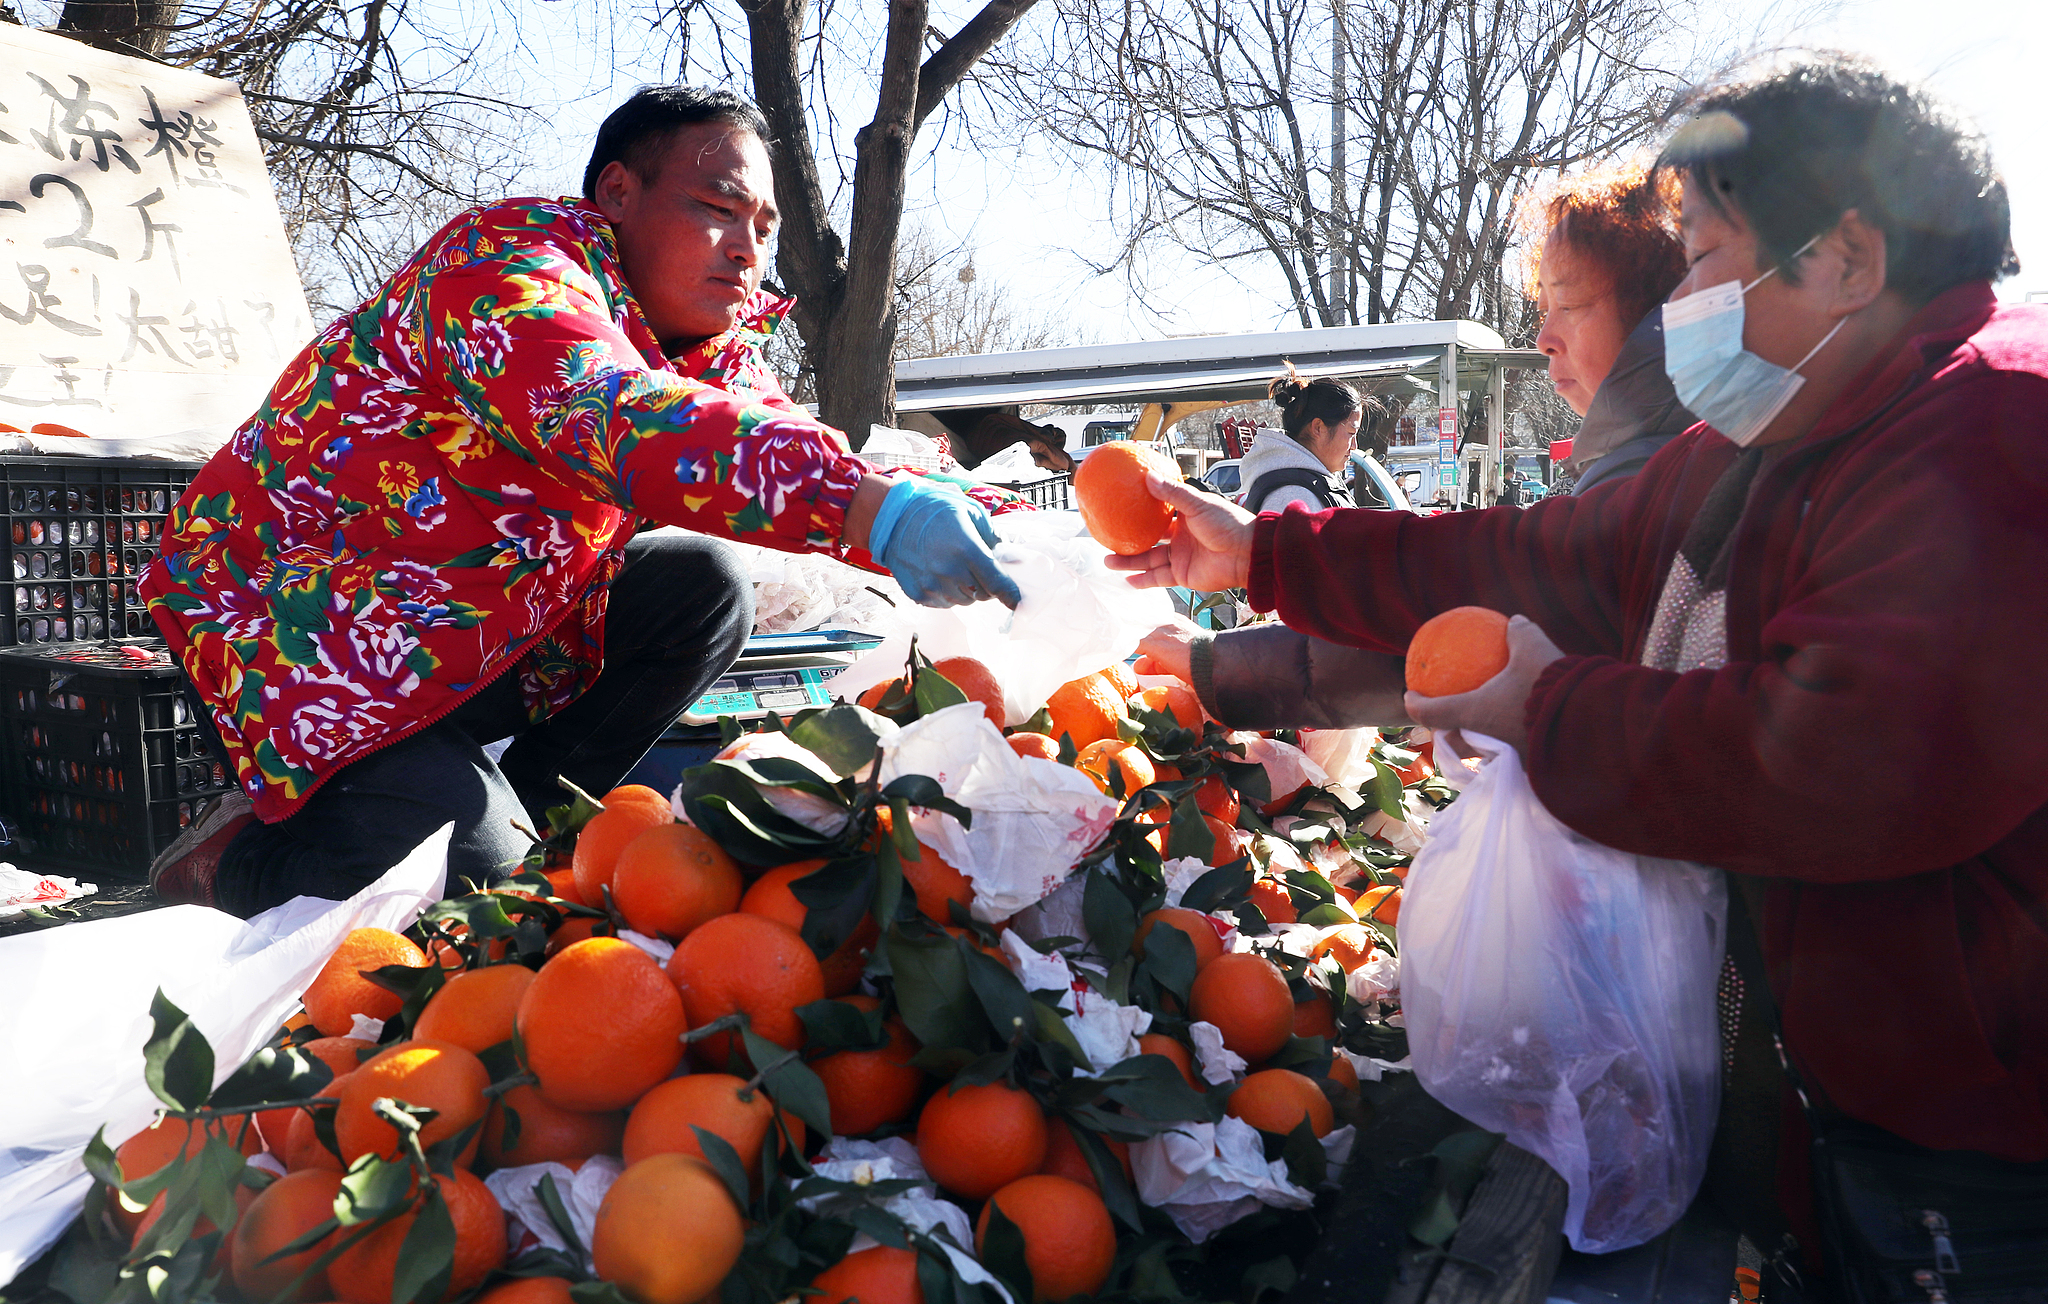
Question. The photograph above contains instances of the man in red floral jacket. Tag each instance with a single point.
(424, 540)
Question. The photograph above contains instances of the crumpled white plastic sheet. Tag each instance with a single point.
(1077, 616)
(22, 891)
(77, 1014)
(895, 1159)
(1033, 819)
(582, 1190)
(1206, 1176)
(1287, 766)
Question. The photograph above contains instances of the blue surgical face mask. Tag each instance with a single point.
(1720, 382)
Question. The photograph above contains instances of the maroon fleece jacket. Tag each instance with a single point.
(1876, 746)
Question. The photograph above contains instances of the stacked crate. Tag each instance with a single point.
(101, 759)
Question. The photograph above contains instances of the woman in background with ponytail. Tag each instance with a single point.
(1303, 462)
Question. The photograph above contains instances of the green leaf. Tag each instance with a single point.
(1003, 999)
(1109, 1176)
(835, 898)
(831, 1025)
(426, 1259)
(933, 994)
(1170, 959)
(274, 1073)
(1218, 888)
(1188, 834)
(1327, 915)
(1151, 1087)
(599, 1292)
(919, 790)
(1307, 1165)
(177, 1063)
(889, 878)
(935, 692)
(1386, 790)
(725, 1161)
(987, 1069)
(1108, 914)
(790, 1083)
(372, 1188)
(840, 736)
(1250, 780)
(1002, 1252)
(1039, 723)
(1274, 1276)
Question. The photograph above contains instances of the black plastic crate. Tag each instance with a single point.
(1052, 493)
(101, 759)
(75, 537)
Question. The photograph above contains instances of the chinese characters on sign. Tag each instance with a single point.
(146, 285)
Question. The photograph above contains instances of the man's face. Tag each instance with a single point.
(694, 238)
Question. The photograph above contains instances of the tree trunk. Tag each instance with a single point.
(846, 292)
(123, 26)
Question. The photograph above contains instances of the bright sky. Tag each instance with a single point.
(1027, 220)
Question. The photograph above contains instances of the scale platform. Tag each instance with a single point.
(782, 673)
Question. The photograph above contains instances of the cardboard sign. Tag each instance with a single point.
(146, 285)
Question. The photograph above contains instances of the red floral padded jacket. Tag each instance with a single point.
(441, 485)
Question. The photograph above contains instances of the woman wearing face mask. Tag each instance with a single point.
(1803, 644)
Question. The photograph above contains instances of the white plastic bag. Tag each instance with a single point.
(1077, 617)
(1562, 992)
(77, 1016)
(1032, 818)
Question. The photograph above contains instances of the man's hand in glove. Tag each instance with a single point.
(936, 543)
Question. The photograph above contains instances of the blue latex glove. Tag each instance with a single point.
(936, 543)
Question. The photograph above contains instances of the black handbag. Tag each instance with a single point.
(1902, 1224)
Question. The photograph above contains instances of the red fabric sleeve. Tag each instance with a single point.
(1368, 578)
(1895, 722)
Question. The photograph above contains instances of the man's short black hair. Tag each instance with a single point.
(1791, 152)
(637, 132)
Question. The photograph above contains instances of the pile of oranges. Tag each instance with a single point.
(674, 986)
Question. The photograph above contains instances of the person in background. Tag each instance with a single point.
(1609, 258)
(1048, 448)
(427, 537)
(1812, 619)
(1302, 462)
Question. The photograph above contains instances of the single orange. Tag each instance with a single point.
(869, 1088)
(474, 1010)
(1192, 924)
(1069, 1241)
(1350, 946)
(1085, 709)
(672, 878)
(1180, 703)
(974, 679)
(1246, 997)
(1097, 759)
(1456, 651)
(1065, 1158)
(1276, 1100)
(1315, 1017)
(976, 1140)
(1026, 743)
(547, 1133)
(636, 794)
(741, 963)
(165, 1140)
(722, 1105)
(1215, 797)
(340, 992)
(1120, 511)
(771, 897)
(1158, 1043)
(362, 1273)
(1382, 904)
(931, 877)
(1229, 843)
(436, 1074)
(879, 1274)
(282, 1212)
(1270, 895)
(303, 1148)
(580, 928)
(599, 843)
(667, 1232)
(1342, 1073)
(562, 882)
(600, 1025)
(1121, 678)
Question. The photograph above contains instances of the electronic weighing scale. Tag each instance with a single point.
(779, 673)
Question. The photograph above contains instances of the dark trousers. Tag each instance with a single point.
(680, 612)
